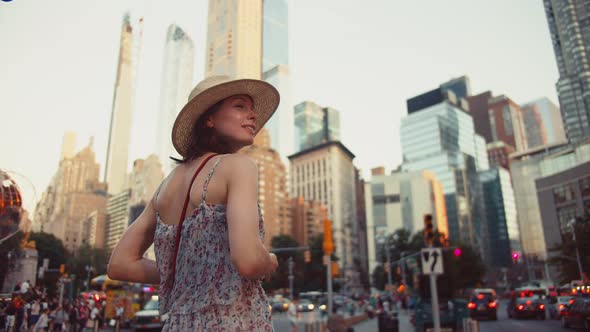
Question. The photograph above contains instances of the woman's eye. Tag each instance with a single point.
(240, 106)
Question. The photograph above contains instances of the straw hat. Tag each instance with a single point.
(214, 89)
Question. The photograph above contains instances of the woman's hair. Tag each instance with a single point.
(204, 139)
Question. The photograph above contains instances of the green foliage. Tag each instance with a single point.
(379, 277)
(49, 246)
(87, 256)
(464, 271)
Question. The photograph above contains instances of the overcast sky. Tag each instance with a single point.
(364, 58)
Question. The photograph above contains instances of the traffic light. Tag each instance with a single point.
(335, 270)
(307, 255)
(457, 252)
(328, 244)
(428, 230)
(515, 256)
(62, 268)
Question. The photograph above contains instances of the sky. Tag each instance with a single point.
(365, 58)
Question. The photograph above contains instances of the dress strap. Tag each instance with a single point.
(206, 183)
(179, 227)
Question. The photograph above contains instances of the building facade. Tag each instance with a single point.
(234, 39)
(275, 34)
(325, 173)
(501, 216)
(177, 81)
(122, 112)
(73, 192)
(399, 201)
(499, 154)
(506, 122)
(117, 218)
(563, 197)
(441, 139)
(569, 28)
(308, 219)
(315, 125)
(272, 187)
(551, 118)
(526, 168)
(281, 124)
(534, 128)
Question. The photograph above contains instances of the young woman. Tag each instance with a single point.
(204, 219)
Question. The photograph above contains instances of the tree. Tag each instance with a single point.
(464, 271)
(280, 279)
(50, 247)
(564, 255)
(379, 277)
(86, 256)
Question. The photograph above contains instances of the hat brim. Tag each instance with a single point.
(265, 97)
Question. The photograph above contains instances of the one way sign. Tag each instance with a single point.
(432, 261)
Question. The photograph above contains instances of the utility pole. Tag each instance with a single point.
(389, 278)
(291, 277)
(571, 224)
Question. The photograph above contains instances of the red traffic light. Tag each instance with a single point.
(457, 252)
(515, 255)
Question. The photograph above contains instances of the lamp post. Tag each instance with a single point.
(571, 224)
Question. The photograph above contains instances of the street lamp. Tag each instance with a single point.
(571, 225)
(88, 269)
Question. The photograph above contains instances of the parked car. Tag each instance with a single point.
(558, 305)
(280, 305)
(148, 317)
(526, 307)
(483, 305)
(577, 314)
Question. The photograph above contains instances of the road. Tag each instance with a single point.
(506, 324)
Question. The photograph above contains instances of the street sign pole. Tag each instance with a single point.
(432, 264)
(435, 306)
(291, 277)
(329, 282)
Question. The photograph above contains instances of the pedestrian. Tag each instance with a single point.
(292, 313)
(35, 312)
(10, 316)
(96, 318)
(24, 287)
(43, 322)
(213, 268)
(58, 320)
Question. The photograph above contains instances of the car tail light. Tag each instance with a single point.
(561, 307)
(571, 301)
(492, 304)
(541, 306)
(480, 296)
(529, 302)
(156, 320)
(471, 305)
(520, 307)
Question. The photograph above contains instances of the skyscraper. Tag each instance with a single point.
(275, 34)
(281, 124)
(551, 118)
(234, 39)
(177, 79)
(506, 122)
(501, 217)
(569, 26)
(121, 116)
(315, 125)
(441, 139)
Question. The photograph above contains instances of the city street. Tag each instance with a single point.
(519, 325)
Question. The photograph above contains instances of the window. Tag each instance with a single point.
(585, 186)
(564, 193)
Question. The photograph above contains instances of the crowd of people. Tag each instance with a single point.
(30, 309)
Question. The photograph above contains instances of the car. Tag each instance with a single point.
(526, 307)
(483, 305)
(305, 306)
(149, 316)
(577, 314)
(280, 305)
(558, 305)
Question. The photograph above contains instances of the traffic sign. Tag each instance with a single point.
(432, 261)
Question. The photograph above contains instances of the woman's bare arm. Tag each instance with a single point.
(248, 253)
(127, 262)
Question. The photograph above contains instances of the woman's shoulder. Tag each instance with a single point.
(238, 162)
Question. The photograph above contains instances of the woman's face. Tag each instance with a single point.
(235, 121)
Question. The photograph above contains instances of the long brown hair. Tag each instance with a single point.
(204, 139)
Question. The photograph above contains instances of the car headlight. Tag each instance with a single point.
(285, 306)
(323, 307)
(310, 306)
